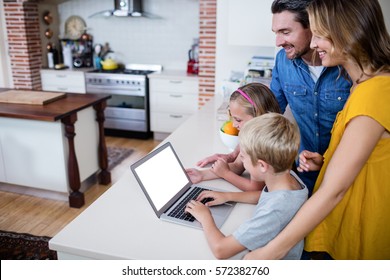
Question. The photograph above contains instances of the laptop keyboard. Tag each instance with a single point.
(178, 211)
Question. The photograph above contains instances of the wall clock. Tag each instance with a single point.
(74, 27)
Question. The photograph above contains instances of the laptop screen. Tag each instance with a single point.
(161, 175)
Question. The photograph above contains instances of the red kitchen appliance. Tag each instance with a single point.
(193, 58)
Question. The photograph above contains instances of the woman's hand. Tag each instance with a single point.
(309, 161)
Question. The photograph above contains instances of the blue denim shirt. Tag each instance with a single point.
(314, 105)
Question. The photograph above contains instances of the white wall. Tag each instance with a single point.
(163, 41)
(233, 57)
(5, 71)
(385, 4)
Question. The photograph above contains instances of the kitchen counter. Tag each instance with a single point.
(121, 224)
(54, 146)
(53, 111)
(74, 69)
(172, 74)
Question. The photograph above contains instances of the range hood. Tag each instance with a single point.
(125, 8)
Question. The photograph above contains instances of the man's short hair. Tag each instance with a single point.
(298, 7)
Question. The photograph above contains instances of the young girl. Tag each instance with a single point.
(245, 103)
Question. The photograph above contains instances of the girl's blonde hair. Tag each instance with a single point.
(272, 138)
(261, 96)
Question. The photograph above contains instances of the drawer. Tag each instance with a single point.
(63, 88)
(165, 122)
(173, 102)
(63, 81)
(174, 85)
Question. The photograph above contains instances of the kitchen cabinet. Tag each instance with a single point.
(72, 81)
(173, 98)
(250, 23)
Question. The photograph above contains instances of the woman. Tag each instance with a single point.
(348, 215)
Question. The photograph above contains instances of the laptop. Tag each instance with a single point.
(167, 186)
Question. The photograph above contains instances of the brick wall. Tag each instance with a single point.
(207, 47)
(22, 24)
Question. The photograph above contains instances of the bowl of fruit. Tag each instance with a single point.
(229, 135)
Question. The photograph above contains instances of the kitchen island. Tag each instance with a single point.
(121, 224)
(54, 146)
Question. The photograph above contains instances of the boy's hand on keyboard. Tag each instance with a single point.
(200, 211)
(212, 198)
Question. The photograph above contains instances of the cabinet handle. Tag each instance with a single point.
(175, 82)
(176, 95)
(62, 88)
(176, 116)
(61, 76)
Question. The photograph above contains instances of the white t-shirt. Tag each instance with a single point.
(315, 72)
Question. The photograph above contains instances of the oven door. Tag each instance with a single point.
(126, 113)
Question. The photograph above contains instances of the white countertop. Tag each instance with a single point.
(173, 74)
(122, 225)
(74, 69)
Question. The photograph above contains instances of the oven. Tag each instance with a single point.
(127, 111)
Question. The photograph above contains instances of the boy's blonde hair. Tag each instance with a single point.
(272, 138)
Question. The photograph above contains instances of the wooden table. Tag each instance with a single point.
(66, 111)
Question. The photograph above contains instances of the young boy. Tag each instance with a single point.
(268, 147)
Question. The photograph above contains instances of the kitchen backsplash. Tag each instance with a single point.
(164, 40)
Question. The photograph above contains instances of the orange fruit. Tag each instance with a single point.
(228, 128)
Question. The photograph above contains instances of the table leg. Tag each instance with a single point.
(76, 198)
(104, 176)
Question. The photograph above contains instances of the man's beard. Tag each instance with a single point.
(300, 53)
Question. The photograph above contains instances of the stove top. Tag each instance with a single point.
(132, 69)
(123, 71)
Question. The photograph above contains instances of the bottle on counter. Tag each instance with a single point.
(50, 60)
(67, 54)
(56, 58)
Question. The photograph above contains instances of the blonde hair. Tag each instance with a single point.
(263, 98)
(272, 138)
(356, 28)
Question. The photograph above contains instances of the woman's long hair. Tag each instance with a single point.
(357, 28)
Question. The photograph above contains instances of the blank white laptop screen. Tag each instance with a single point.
(162, 172)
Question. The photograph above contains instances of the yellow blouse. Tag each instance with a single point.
(359, 226)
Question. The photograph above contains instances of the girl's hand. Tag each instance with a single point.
(227, 157)
(195, 175)
(210, 159)
(200, 211)
(218, 197)
(309, 161)
(220, 168)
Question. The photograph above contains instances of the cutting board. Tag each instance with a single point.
(30, 97)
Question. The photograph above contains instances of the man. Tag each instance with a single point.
(314, 93)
